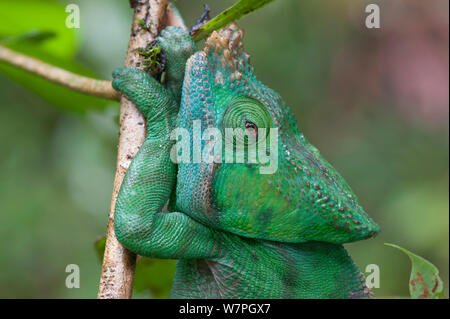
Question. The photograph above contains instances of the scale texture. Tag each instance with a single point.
(238, 233)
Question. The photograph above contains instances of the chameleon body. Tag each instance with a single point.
(237, 232)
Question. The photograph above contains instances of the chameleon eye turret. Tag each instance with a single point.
(248, 116)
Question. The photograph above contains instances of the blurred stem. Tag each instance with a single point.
(119, 263)
(59, 76)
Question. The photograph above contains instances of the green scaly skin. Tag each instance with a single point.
(236, 232)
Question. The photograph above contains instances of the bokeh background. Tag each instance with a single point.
(374, 101)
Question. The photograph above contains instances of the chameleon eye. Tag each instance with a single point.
(247, 115)
(251, 128)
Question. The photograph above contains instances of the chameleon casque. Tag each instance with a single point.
(236, 232)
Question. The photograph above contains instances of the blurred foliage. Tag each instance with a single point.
(424, 281)
(154, 276)
(31, 27)
(99, 246)
(57, 166)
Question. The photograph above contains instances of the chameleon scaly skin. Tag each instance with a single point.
(236, 232)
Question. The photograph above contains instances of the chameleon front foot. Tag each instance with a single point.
(130, 81)
(149, 96)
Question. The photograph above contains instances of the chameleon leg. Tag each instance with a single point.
(139, 223)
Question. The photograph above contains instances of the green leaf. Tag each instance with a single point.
(154, 275)
(99, 246)
(424, 281)
(37, 28)
(234, 13)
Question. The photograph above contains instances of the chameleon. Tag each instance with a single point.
(236, 232)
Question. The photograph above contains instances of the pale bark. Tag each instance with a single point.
(119, 263)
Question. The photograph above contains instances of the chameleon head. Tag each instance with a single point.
(303, 198)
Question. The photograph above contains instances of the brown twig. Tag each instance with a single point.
(60, 76)
(119, 263)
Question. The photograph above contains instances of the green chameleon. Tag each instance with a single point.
(237, 231)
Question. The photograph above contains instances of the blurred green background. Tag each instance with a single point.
(374, 101)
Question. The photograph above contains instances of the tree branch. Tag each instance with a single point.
(59, 76)
(118, 263)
